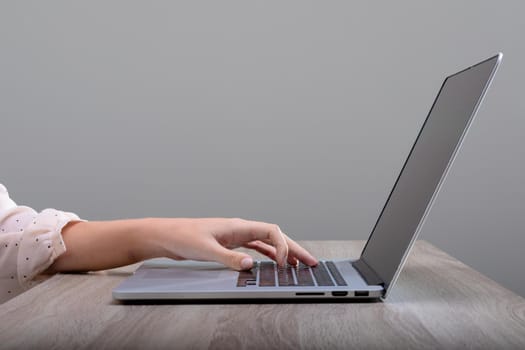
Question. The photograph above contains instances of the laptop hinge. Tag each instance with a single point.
(367, 273)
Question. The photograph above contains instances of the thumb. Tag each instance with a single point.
(233, 259)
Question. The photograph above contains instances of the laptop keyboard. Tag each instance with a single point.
(268, 274)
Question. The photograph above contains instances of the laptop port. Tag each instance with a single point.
(309, 293)
(361, 293)
(340, 293)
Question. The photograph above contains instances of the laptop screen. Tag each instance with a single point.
(426, 165)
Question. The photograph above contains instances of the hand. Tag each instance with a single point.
(101, 245)
(214, 239)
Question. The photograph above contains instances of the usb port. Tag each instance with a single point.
(340, 293)
(361, 293)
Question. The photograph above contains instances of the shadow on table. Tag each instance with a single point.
(246, 301)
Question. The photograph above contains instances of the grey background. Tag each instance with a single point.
(298, 113)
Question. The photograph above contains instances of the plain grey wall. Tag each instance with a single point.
(298, 113)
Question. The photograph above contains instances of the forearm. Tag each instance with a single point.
(99, 245)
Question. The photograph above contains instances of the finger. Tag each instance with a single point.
(233, 259)
(262, 248)
(269, 233)
(269, 251)
(296, 251)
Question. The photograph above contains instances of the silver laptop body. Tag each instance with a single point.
(375, 272)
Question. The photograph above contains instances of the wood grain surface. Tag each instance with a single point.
(438, 302)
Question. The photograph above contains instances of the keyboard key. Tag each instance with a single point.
(335, 273)
(321, 275)
(304, 277)
(248, 277)
(285, 276)
(266, 274)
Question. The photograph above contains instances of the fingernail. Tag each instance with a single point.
(246, 263)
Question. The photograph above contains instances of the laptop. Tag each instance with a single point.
(374, 273)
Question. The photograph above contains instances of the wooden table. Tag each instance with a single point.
(438, 302)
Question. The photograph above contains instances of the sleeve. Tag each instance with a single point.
(29, 243)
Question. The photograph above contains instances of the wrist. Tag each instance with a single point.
(145, 242)
(155, 237)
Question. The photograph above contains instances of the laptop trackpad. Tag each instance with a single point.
(188, 270)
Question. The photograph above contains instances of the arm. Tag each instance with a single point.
(99, 245)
